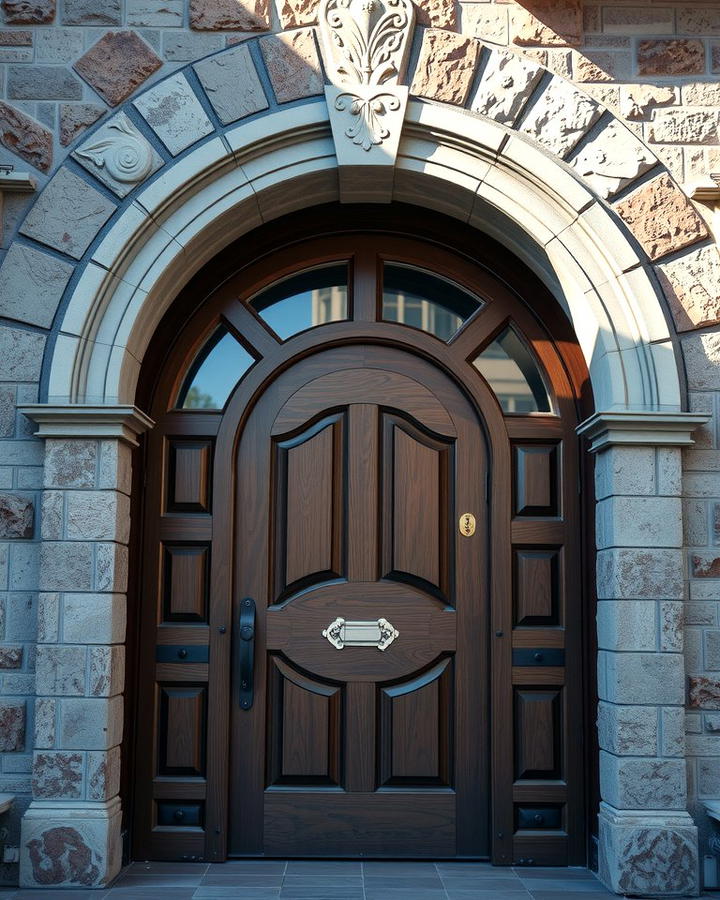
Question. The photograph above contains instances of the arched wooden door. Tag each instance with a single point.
(361, 599)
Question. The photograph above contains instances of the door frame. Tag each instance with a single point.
(563, 363)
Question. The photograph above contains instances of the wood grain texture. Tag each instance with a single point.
(189, 476)
(186, 582)
(182, 730)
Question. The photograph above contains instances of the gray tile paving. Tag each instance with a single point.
(269, 879)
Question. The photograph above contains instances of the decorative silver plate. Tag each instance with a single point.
(378, 634)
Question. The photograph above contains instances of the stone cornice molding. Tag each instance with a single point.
(123, 423)
(640, 428)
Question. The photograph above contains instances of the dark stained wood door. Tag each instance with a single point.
(352, 473)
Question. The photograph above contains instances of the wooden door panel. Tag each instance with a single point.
(415, 734)
(309, 507)
(189, 476)
(537, 587)
(305, 728)
(536, 479)
(538, 738)
(418, 504)
(186, 572)
(181, 735)
(405, 824)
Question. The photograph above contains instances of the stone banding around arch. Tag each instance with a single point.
(192, 163)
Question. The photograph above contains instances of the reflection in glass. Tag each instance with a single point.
(214, 373)
(513, 373)
(414, 297)
(304, 301)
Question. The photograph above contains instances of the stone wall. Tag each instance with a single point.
(65, 69)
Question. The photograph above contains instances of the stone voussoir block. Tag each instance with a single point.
(613, 159)
(117, 64)
(32, 284)
(661, 217)
(26, 137)
(174, 112)
(232, 84)
(292, 62)
(692, 287)
(12, 725)
(446, 67)
(17, 516)
(507, 83)
(21, 354)
(560, 117)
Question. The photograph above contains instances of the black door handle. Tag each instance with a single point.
(246, 652)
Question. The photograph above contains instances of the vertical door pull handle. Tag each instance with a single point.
(246, 651)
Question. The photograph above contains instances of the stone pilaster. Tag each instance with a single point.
(648, 842)
(71, 832)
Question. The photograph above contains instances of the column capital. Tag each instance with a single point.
(123, 422)
(640, 428)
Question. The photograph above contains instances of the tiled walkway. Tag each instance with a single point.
(326, 880)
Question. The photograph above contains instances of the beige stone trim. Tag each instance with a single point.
(654, 429)
(76, 421)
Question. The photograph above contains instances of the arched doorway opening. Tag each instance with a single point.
(373, 424)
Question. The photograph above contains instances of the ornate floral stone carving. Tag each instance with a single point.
(366, 45)
(119, 155)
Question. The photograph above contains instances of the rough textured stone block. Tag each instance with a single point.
(48, 619)
(292, 62)
(53, 516)
(111, 568)
(560, 117)
(11, 657)
(184, 46)
(42, 83)
(628, 730)
(17, 516)
(629, 783)
(637, 20)
(692, 286)
(92, 12)
(705, 565)
(702, 361)
(66, 566)
(484, 21)
(68, 214)
(232, 84)
(672, 57)
(704, 692)
(638, 101)
(94, 618)
(155, 13)
(547, 23)
(107, 671)
(625, 678)
(115, 469)
(21, 354)
(58, 45)
(91, 724)
(117, 65)
(436, 13)
(28, 12)
(613, 159)
(175, 114)
(103, 774)
(646, 574)
(625, 470)
(31, 285)
(45, 712)
(60, 671)
(230, 15)
(446, 67)
(70, 463)
(627, 624)
(76, 118)
(26, 137)
(701, 93)
(508, 81)
(685, 126)
(661, 217)
(12, 726)
(644, 521)
(296, 13)
(57, 776)
(648, 855)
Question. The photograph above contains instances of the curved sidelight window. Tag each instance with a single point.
(215, 372)
(414, 297)
(313, 297)
(513, 373)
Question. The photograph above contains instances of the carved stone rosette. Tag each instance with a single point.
(366, 45)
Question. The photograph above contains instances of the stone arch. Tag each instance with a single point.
(516, 151)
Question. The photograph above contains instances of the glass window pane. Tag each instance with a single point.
(214, 373)
(512, 372)
(304, 301)
(414, 297)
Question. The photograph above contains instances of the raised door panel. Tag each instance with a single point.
(305, 729)
(415, 730)
(537, 587)
(416, 494)
(185, 582)
(181, 735)
(536, 480)
(538, 736)
(309, 505)
(189, 476)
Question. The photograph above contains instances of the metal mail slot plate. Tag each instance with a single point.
(342, 633)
